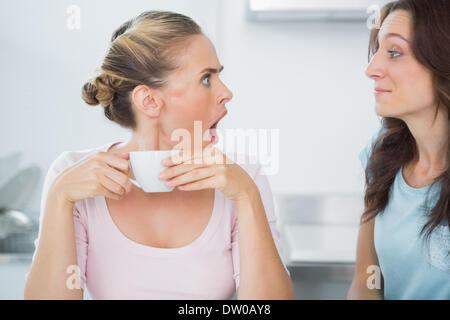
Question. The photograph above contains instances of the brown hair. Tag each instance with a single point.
(140, 53)
(396, 146)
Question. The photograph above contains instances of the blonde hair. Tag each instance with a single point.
(141, 53)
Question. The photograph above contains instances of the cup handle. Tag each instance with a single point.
(135, 183)
(132, 180)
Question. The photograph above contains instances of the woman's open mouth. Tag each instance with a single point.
(213, 133)
(213, 129)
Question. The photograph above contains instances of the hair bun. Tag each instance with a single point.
(88, 93)
(100, 90)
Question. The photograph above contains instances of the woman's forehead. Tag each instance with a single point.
(397, 22)
(197, 55)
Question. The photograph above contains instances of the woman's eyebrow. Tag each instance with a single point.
(392, 34)
(211, 70)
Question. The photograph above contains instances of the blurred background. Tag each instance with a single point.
(296, 66)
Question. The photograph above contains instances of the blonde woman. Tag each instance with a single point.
(213, 235)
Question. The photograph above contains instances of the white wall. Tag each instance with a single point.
(306, 79)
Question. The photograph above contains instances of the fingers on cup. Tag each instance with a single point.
(114, 189)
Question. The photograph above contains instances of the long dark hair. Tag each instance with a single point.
(396, 146)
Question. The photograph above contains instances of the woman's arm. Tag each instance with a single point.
(365, 256)
(56, 251)
(100, 174)
(262, 273)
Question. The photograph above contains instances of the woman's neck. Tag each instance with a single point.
(430, 130)
(143, 141)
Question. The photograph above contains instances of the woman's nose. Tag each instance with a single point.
(375, 69)
(226, 95)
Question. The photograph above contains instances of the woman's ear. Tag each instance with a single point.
(146, 100)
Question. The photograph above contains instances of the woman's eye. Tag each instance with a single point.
(205, 79)
(394, 54)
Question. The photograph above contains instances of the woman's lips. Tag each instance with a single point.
(213, 133)
(212, 129)
(380, 91)
(220, 118)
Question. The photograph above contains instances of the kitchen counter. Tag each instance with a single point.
(319, 228)
(6, 258)
(321, 243)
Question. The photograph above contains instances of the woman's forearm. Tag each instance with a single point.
(358, 291)
(56, 251)
(262, 274)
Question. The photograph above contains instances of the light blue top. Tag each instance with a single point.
(412, 268)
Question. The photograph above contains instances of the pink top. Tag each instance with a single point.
(114, 267)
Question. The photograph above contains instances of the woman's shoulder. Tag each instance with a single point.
(366, 152)
(66, 159)
(69, 157)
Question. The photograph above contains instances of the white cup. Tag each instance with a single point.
(146, 166)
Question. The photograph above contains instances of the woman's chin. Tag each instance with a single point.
(383, 111)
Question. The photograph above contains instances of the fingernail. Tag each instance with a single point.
(162, 176)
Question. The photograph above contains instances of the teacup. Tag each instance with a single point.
(146, 167)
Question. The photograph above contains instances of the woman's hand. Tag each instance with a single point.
(212, 169)
(101, 174)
